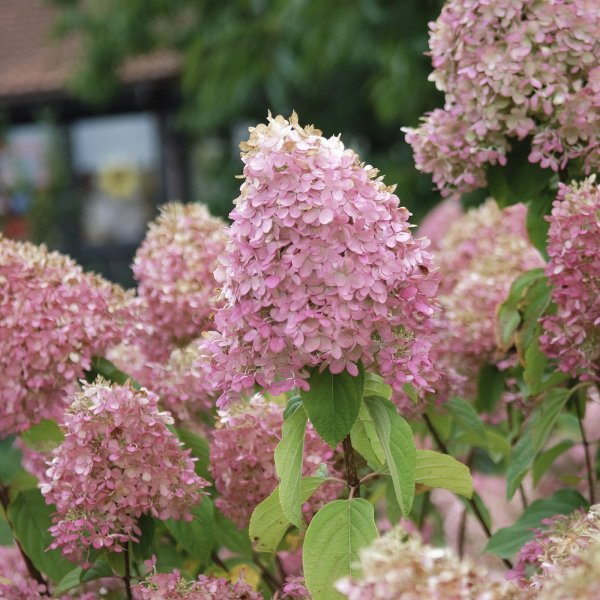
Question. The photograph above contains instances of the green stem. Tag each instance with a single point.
(351, 474)
(127, 576)
(586, 448)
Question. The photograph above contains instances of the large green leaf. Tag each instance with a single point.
(365, 440)
(288, 464)
(490, 386)
(518, 180)
(508, 314)
(10, 459)
(535, 363)
(79, 576)
(232, 537)
(509, 540)
(536, 223)
(545, 460)
(198, 536)
(333, 402)
(375, 387)
(333, 540)
(537, 429)
(31, 518)
(436, 470)
(43, 436)
(464, 414)
(398, 445)
(105, 368)
(200, 450)
(268, 524)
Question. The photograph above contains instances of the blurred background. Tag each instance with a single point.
(109, 108)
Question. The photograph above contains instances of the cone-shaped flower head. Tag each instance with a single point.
(118, 461)
(572, 335)
(174, 269)
(321, 269)
(510, 69)
(53, 319)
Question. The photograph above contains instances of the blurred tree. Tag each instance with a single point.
(355, 67)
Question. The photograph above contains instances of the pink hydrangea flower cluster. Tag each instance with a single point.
(321, 269)
(572, 335)
(117, 462)
(400, 566)
(171, 586)
(556, 548)
(174, 270)
(294, 587)
(53, 319)
(242, 458)
(438, 220)
(182, 382)
(511, 69)
(16, 584)
(480, 256)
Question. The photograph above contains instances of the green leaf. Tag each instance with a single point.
(197, 537)
(394, 514)
(495, 443)
(268, 524)
(545, 460)
(200, 450)
(509, 316)
(534, 436)
(365, 440)
(436, 470)
(509, 540)
(537, 225)
(535, 302)
(522, 457)
(546, 414)
(116, 560)
(79, 576)
(467, 418)
(535, 363)
(292, 406)
(398, 445)
(333, 540)
(333, 402)
(142, 549)
(490, 386)
(30, 516)
(288, 464)
(375, 387)
(102, 366)
(10, 459)
(44, 436)
(229, 535)
(518, 180)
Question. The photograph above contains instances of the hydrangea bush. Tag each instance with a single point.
(317, 401)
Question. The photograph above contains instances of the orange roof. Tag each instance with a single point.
(33, 61)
